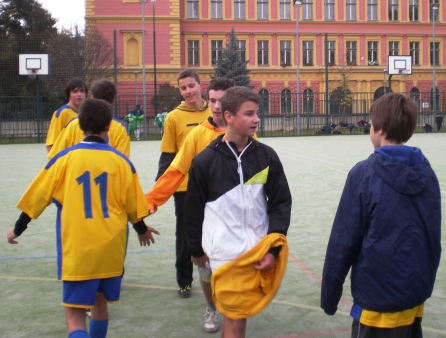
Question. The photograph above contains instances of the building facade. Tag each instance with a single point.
(283, 43)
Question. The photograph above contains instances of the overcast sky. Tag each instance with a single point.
(66, 12)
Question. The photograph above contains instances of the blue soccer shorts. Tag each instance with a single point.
(82, 294)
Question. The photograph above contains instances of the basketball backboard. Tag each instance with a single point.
(400, 64)
(33, 64)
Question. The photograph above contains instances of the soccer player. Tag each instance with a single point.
(75, 92)
(387, 230)
(198, 139)
(179, 122)
(237, 212)
(96, 190)
(72, 134)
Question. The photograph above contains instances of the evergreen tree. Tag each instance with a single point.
(231, 65)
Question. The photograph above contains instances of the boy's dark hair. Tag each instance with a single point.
(234, 97)
(220, 83)
(95, 115)
(104, 89)
(188, 73)
(73, 84)
(396, 115)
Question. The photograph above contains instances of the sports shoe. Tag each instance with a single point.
(184, 292)
(88, 312)
(211, 323)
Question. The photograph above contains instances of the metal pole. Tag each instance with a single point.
(143, 58)
(154, 56)
(434, 61)
(327, 126)
(384, 80)
(297, 4)
(136, 88)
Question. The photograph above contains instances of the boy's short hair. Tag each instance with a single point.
(188, 73)
(396, 115)
(220, 83)
(104, 89)
(73, 84)
(234, 97)
(95, 115)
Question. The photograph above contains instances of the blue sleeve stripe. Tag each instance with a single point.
(87, 145)
(58, 111)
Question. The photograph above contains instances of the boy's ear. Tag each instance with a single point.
(108, 127)
(227, 116)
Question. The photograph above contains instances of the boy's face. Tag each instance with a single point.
(77, 96)
(215, 105)
(245, 121)
(190, 90)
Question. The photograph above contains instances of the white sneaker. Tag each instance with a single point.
(211, 323)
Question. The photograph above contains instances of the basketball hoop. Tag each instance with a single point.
(32, 72)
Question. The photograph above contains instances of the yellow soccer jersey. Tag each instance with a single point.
(177, 126)
(198, 139)
(117, 137)
(59, 120)
(96, 190)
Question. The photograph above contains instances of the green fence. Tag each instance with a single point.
(26, 119)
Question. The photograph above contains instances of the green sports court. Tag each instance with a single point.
(316, 168)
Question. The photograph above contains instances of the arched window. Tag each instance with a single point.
(264, 102)
(133, 52)
(415, 95)
(308, 101)
(285, 101)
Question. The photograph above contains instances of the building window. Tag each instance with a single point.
(264, 102)
(431, 2)
(351, 53)
(285, 101)
(262, 53)
(415, 95)
(372, 53)
(308, 101)
(307, 10)
(192, 9)
(216, 12)
(393, 10)
(413, 10)
(262, 9)
(415, 53)
(242, 49)
(285, 53)
(216, 48)
(239, 9)
(285, 7)
(350, 9)
(193, 53)
(437, 53)
(329, 9)
(372, 10)
(331, 53)
(393, 48)
(307, 53)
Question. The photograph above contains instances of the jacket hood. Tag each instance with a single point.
(403, 168)
(183, 106)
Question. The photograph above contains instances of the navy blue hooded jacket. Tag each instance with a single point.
(387, 229)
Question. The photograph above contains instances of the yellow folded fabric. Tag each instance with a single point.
(240, 290)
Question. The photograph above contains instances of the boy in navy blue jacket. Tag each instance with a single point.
(386, 229)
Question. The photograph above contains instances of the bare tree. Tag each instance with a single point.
(86, 54)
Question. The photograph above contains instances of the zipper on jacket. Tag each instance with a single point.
(240, 174)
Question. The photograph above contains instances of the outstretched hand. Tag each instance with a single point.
(11, 237)
(148, 237)
(266, 263)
